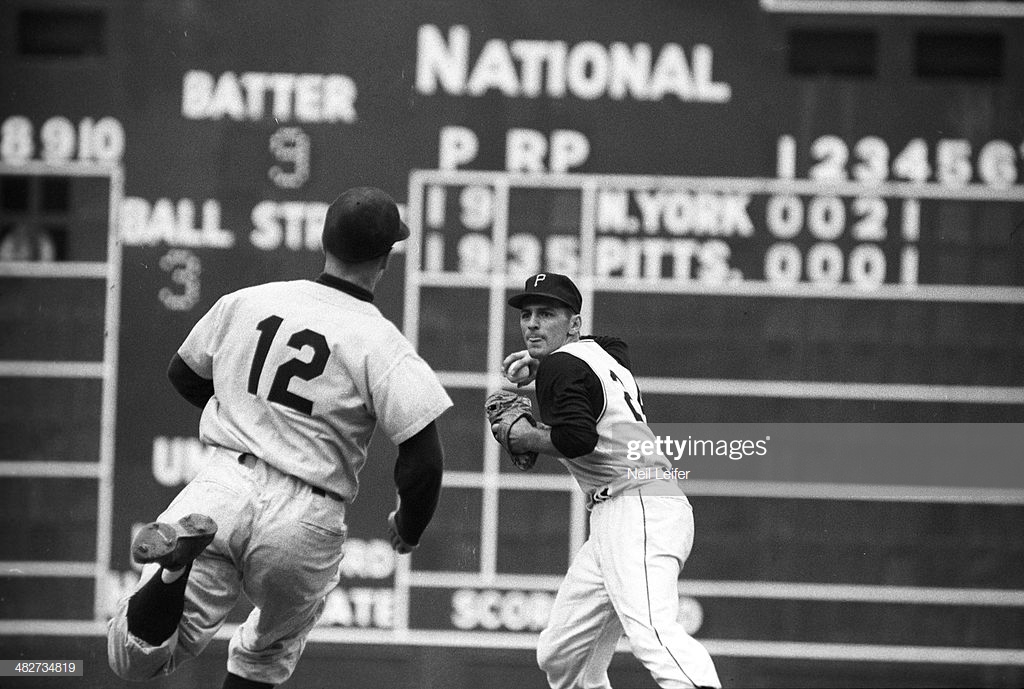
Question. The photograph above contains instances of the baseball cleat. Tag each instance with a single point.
(176, 545)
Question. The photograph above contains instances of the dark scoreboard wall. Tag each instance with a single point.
(792, 216)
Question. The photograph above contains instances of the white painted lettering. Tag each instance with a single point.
(173, 223)
(295, 225)
(494, 70)
(525, 150)
(588, 69)
(312, 98)
(437, 61)
(457, 146)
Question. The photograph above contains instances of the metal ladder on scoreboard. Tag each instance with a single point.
(103, 369)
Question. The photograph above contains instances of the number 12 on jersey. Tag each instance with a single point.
(293, 368)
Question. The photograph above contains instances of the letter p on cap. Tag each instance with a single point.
(540, 276)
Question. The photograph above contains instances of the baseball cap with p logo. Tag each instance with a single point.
(551, 286)
(362, 224)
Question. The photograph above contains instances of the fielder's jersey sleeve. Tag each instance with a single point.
(303, 373)
(570, 399)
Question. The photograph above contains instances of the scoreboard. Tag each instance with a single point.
(794, 212)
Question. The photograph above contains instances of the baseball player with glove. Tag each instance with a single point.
(503, 409)
(624, 578)
(293, 377)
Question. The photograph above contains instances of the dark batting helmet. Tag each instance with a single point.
(362, 224)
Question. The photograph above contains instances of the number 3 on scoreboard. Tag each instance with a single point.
(293, 368)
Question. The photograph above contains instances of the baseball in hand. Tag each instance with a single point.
(520, 368)
(518, 373)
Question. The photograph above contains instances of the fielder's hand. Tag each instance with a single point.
(520, 368)
(397, 542)
(503, 409)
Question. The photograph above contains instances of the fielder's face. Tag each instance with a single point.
(546, 326)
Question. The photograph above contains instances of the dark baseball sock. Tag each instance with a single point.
(236, 682)
(155, 610)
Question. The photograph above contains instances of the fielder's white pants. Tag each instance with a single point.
(624, 579)
(276, 541)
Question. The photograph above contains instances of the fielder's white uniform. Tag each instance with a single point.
(624, 578)
(303, 372)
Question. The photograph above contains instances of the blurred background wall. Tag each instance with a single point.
(795, 211)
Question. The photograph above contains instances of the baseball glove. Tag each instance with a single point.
(504, 409)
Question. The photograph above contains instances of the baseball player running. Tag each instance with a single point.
(624, 578)
(292, 377)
